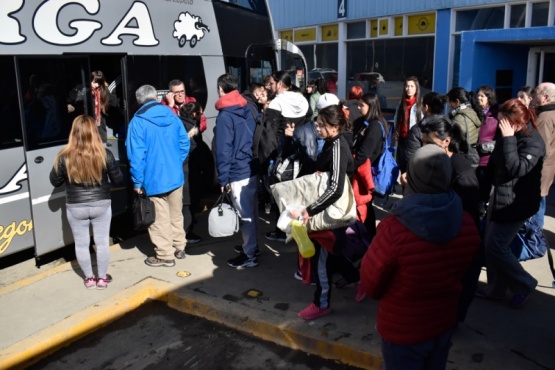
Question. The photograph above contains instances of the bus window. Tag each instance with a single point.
(48, 84)
(158, 71)
(10, 119)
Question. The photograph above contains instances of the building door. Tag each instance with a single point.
(541, 65)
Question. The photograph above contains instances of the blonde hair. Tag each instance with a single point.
(84, 154)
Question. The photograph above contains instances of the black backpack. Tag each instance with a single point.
(264, 143)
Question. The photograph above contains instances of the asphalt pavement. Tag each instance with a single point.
(48, 308)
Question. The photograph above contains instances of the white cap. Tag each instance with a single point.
(326, 100)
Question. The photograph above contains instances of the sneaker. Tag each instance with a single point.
(313, 312)
(242, 261)
(480, 293)
(102, 283)
(297, 275)
(239, 249)
(180, 254)
(90, 282)
(192, 238)
(276, 235)
(519, 300)
(156, 262)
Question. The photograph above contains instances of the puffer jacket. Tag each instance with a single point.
(80, 193)
(465, 116)
(415, 265)
(515, 168)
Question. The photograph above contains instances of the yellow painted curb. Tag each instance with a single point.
(284, 334)
(47, 341)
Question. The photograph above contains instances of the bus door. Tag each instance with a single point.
(52, 94)
(16, 226)
(291, 59)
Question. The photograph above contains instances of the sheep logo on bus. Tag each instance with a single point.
(190, 28)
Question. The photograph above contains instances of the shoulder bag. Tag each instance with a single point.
(305, 190)
(223, 220)
(143, 212)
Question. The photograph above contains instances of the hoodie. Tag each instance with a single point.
(287, 107)
(157, 144)
(234, 136)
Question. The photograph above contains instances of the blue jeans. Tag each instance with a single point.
(429, 355)
(244, 200)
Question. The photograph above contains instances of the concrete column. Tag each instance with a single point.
(342, 60)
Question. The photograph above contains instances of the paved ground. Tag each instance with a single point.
(45, 309)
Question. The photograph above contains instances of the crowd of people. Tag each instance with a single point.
(472, 172)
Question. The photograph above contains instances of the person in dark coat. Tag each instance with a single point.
(515, 169)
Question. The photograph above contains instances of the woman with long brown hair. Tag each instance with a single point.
(408, 114)
(85, 166)
(515, 168)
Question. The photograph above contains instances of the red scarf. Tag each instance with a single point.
(404, 129)
(97, 114)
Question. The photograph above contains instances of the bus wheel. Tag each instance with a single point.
(182, 41)
(193, 41)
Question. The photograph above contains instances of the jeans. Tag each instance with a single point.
(80, 217)
(503, 268)
(245, 201)
(428, 355)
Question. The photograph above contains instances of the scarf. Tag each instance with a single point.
(404, 129)
(97, 114)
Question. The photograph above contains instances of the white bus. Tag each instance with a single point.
(48, 49)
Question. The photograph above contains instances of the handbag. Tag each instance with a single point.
(305, 190)
(485, 148)
(223, 220)
(143, 212)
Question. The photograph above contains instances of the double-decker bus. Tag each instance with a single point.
(48, 49)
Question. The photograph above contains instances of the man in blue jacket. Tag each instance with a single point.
(236, 168)
(157, 144)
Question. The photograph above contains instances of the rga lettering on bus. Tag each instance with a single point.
(7, 233)
(46, 27)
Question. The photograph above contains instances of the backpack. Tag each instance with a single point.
(386, 171)
(264, 142)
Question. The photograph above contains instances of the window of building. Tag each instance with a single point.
(480, 19)
(381, 66)
(356, 30)
(540, 13)
(518, 16)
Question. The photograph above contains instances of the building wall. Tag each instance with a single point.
(299, 13)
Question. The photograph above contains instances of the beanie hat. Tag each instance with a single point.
(326, 100)
(429, 171)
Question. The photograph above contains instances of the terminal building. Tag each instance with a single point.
(445, 43)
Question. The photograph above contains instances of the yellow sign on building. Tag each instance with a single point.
(384, 27)
(398, 26)
(306, 34)
(421, 24)
(286, 35)
(374, 28)
(330, 33)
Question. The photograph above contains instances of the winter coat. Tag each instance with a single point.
(286, 107)
(515, 171)
(464, 116)
(488, 131)
(80, 193)
(368, 143)
(157, 144)
(546, 128)
(233, 137)
(415, 265)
